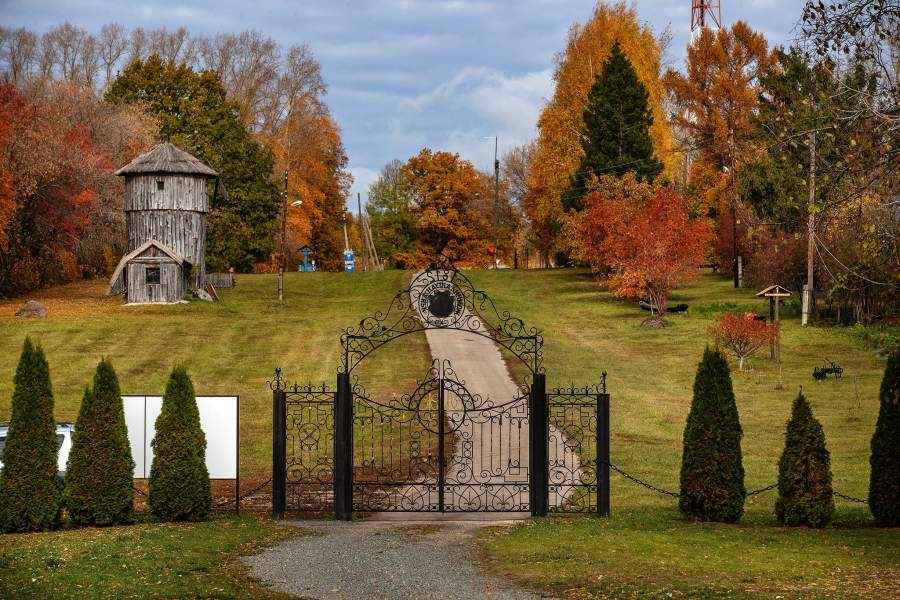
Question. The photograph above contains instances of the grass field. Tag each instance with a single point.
(230, 347)
(195, 560)
(645, 548)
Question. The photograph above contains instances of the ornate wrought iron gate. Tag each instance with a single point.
(440, 447)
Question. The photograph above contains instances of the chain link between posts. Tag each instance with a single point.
(755, 492)
(244, 496)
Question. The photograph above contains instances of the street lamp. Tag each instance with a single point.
(496, 194)
(283, 262)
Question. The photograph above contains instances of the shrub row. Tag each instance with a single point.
(98, 487)
(712, 472)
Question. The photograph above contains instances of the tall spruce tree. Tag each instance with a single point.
(30, 492)
(616, 136)
(179, 480)
(805, 495)
(194, 114)
(712, 472)
(884, 485)
(99, 474)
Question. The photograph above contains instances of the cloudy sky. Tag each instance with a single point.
(404, 74)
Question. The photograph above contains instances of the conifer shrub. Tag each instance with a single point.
(805, 495)
(30, 491)
(884, 485)
(712, 472)
(100, 470)
(179, 481)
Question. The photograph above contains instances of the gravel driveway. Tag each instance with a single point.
(370, 560)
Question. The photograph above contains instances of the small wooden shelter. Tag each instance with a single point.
(775, 293)
(166, 203)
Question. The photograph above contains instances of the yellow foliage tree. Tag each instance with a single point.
(561, 122)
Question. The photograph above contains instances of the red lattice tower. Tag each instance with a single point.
(705, 13)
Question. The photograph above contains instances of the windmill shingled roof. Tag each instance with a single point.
(166, 158)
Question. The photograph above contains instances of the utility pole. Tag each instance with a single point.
(362, 231)
(810, 233)
(496, 199)
(282, 258)
(735, 262)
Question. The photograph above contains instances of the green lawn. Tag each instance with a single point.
(645, 548)
(140, 561)
(230, 347)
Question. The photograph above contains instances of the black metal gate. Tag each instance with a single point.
(441, 447)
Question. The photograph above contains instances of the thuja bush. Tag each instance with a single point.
(805, 495)
(30, 492)
(179, 480)
(884, 485)
(712, 472)
(99, 474)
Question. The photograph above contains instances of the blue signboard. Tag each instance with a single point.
(349, 263)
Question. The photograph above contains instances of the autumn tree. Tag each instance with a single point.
(561, 123)
(742, 334)
(443, 188)
(617, 125)
(193, 113)
(641, 237)
(391, 218)
(713, 102)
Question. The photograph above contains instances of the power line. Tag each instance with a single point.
(820, 246)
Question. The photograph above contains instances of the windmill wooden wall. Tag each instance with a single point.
(174, 215)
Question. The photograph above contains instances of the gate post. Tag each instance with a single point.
(538, 444)
(343, 449)
(603, 452)
(279, 452)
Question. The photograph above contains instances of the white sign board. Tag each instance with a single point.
(219, 420)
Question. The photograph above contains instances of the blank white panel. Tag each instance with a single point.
(154, 407)
(134, 422)
(218, 420)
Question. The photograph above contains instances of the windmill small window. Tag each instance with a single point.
(152, 275)
(160, 185)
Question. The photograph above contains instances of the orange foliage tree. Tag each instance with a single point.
(742, 334)
(55, 170)
(444, 193)
(561, 122)
(641, 237)
(713, 103)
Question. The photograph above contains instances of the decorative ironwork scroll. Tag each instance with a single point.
(309, 455)
(442, 298)
(574, 451)
(440, 448)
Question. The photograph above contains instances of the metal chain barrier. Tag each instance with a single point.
(246, 494)
(756, 492)
(850, 498)
(647, 485)
(139, 491)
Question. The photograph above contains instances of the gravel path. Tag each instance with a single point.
(369, 560)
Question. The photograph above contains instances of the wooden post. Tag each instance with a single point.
(810, 233)
(777, 346)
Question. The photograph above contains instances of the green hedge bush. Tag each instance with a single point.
(884, 485)
(30, 491)
(179, 481)
(100, 470)
(805, 494)
(712, 472)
